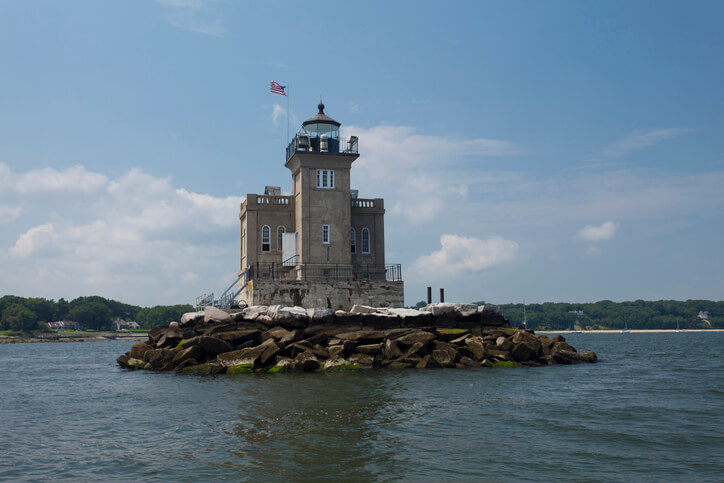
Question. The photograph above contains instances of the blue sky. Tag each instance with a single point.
(546, 151)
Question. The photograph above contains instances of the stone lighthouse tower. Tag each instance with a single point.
(321, 246)
(321, 189)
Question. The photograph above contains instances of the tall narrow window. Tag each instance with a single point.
(265, 238)
(280, 235)
(325, 234)
(353, 240)
(325, 178)
(365, 240)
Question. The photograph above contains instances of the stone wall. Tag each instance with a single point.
(337, 295)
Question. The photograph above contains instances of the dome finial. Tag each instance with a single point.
(320, 106)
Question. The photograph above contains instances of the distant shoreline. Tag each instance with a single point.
(630, 331)
(90, 337)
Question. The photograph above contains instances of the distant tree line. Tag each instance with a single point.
(639, 314)
(31, 314)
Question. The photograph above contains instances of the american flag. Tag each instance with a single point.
(276, 88)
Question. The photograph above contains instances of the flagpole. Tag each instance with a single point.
(287, 114)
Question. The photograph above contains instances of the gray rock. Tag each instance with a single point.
(503, 344)
(442, 358)
(213, 314)
(307, 360)
(391, 350)
(362, 309)
(138, 350)
(369, 349)
(192, 353)
(320, 316)
(416, 337)
(362, 360)
(191, 317)
(253, 312)
(523, 352)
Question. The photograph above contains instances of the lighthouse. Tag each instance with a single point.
(321, 245)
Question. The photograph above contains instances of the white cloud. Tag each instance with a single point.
(36, 238)
(638, 140)
(9, 213)
(49, 180)
(598, 233)
(278, 113)
(422, 176)
(459, 253)
(593, 251)
(125, 238)
(193, 15)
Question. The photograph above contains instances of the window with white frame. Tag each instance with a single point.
(265, 239)
(280, 235)
(325, 234)
(353, 240)
(325, 178)
(365, 240)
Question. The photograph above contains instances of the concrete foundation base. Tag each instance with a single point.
(337, 295)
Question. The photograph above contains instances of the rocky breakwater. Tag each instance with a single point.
(280, 339)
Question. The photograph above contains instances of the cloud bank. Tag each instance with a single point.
(83, 233)
(466, 254)
(606, 231)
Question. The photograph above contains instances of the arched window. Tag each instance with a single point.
(265, 238)
(353, 240)
(280, 233)
(365, 240)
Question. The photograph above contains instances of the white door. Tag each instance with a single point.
(289, 249)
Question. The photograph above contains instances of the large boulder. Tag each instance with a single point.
(362, 309)
(214, 345)
(503, 343)
(214, 314)
(475, 345)
(288, 317)
(348, 319)
(254, 312)
(320, 316)
(363, 336)
(160, 359)
(192, 353)
(420, 336)
(191, 317)
(391, 350)
(411, 317)
(247, 356)
(307, 361)
(523, 352)
(236, 337)
(369, 349)
(381, 321)
(442, 357)
(138, 350)
(362, 360)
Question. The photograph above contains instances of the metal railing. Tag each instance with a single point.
(322, 271)
(308, 144)
(205, 300)
(273, 199)
(362, 203)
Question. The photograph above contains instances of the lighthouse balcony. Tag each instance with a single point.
(306, 143)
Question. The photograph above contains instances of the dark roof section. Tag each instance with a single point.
(321, 117)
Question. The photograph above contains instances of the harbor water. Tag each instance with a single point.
(650, 410)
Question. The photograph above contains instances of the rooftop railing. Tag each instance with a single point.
(305, 143)
(362, 203)
(273, 199)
